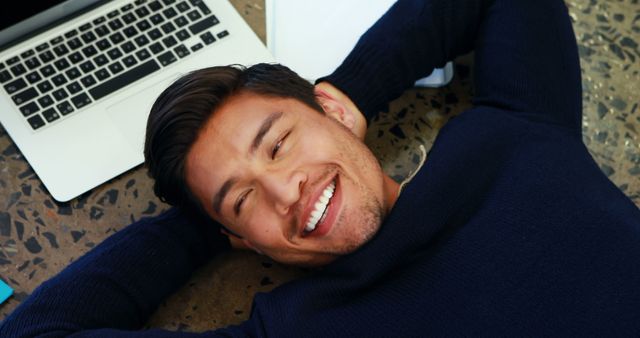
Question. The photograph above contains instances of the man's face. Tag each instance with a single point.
(294, 183)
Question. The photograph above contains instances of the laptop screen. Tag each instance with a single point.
(26, 18)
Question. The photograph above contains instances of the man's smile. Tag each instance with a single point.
(321, 210)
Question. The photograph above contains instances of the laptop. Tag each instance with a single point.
(79, 77)
(314, 37)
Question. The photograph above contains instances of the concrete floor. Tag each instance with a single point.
(39, 237)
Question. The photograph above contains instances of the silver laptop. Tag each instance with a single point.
(79, 77)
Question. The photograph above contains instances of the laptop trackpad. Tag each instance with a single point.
(130, 114)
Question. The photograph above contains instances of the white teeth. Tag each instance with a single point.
(320, 207)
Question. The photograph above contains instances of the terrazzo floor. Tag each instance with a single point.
(39, 237)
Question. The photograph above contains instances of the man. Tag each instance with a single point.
(508, 228)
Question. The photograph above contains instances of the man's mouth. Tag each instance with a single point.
(320, 208)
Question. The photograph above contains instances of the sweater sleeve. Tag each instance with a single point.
(526, 59)
(120, 282)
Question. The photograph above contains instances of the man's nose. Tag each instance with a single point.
(284, 188)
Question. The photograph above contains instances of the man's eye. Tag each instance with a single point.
(274, 152)
(238, 206)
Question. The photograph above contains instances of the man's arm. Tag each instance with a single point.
(526, 58)
(119, 283)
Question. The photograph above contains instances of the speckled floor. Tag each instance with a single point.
(39, 237)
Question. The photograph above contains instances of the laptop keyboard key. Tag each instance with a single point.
(88, 37)
(123, 79)
(204, 24)
(103, 44)
(70, 33)
(44, 86)
(99, 20)
(62, 64)
(114, 53)
(155, 6)
(100, 60)
(42, 47)
(74, 43)
(85, 27)
(25, 96)
(102, 31)
(47, 71)
(18, 70)
(32, 63)
(181, 21)
(116, 38)
(36, 122)
(33, 77)
(222, 34)
(208, 38)
(15, 85)
(113, 14)
(143, 54)
(74, 87)
(81, 100)
(169, 13)
(64, 108)
(203, 7)
(50, 115)
(141, 40)
(115, 24)
(89, 51)
(102, 74)
(46, 56)
(56, 40)
(194, 15)
(181, 51)
(5, 76)
(115, 67)
(183, 6)
(129, 61)
(169, 41)
(143, 25)
(75, 57)
(29, 109)
(13, 60)
(61, 50)
(154, 34)
(168, 27)
(128, 18)
(142, 12)
(88, 81)
(183, 34)
(167, 58)
(73, 73)
(45, 101)
(156, 48)
(156, 19)
(130, 31)
(59, 80)
(196, 47)
(128, 47)
(59, 94)
(87, 66)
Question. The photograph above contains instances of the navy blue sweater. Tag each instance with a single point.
(510, 228)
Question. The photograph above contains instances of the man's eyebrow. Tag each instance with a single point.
(264, 129)
(222, 193)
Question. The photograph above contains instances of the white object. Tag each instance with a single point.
(106, 138)
(314, 37)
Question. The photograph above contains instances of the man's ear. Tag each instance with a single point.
(337, 105)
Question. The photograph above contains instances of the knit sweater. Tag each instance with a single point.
(509, 228)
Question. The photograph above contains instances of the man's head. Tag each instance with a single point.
(277, 163)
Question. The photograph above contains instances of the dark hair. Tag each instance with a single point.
(183, 109)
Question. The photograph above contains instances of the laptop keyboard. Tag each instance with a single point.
(69, 72)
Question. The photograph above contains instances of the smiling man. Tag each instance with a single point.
(508, 229)
(296, 184)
